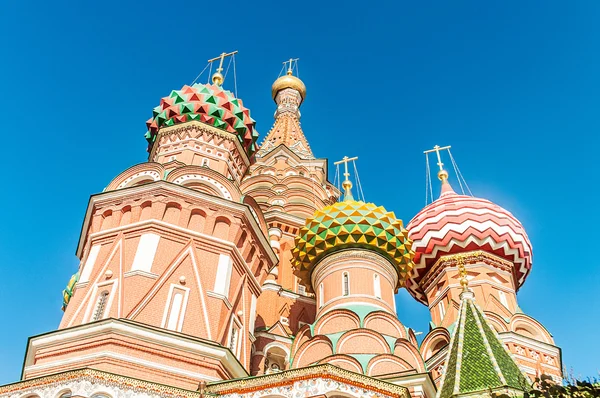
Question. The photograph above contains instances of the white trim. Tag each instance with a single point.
(514, 337)
(158, 185)
(92, 303)
(252, 321)
(442, 308)
(145, 252)
(321, 295)
(92, 291)
(164, 277)
(223, 276)
(136, 331)
(345, 284)
(169, 307)
(276, 337)
(141, 273)
(503, 299)
(376, 286)
(86, 270)
(236, 325)
(112, 355)
(220, 297)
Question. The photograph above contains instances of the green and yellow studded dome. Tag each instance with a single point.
(352, 224)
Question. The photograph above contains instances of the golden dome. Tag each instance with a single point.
(352, 224)
(288, 81)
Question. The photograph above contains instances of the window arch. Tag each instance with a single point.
(65, 394)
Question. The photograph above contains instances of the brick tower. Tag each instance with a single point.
(498, 257)
(173, 255)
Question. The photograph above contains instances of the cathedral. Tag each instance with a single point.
(222, 267)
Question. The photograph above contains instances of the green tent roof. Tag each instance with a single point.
(477, 359)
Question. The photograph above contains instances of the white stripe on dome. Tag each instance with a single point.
(438, 218)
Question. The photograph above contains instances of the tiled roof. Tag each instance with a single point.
(477, 359)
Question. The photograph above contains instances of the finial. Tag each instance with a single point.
(442, 174)
(347, 184)
(290, 64)
(217, 77)
(464, 281)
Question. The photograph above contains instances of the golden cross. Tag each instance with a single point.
(347, 184)
(290, 62)
(345, 160)
(437, 150)
(218, 78)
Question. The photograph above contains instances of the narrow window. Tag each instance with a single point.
(442, 310)
(321, 293)
(223, 275)
(100, 306)
(252, 313)
(502, 297)
(175, 308)
(345, 284)
(234, 338)
(376, 286)
(175, 311)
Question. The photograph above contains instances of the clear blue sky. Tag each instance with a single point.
(514, 86)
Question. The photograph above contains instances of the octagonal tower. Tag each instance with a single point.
(498, 256)
(173, 255)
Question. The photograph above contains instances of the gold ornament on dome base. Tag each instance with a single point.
(352, 224)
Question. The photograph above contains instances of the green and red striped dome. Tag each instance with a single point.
(208, 104)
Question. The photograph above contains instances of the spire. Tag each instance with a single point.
(289, 93)
(347, 184)
(477, 361)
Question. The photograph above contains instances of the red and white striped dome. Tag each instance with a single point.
(459, 223)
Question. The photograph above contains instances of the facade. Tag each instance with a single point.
(227, 268)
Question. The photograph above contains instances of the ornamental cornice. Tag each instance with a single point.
(168, 188)
(473, 257)
(195, 125)
(86, 382)
(352, 254)
(309, 381)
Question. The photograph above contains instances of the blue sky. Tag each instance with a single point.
(513, 86)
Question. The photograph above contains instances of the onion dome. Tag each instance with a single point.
(288, 81)
(352, 224)
(459, 223)
(69, 290)
(209, 104)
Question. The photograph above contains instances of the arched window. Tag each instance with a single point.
(65, 394)
(345, 284)
(100, 306)
(321, 293)
(376, 286)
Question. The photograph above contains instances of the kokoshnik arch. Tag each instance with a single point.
(226, 268)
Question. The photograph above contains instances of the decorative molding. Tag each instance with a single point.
(87, 382)
(306, 382)
(140, 273)
(220, 297)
